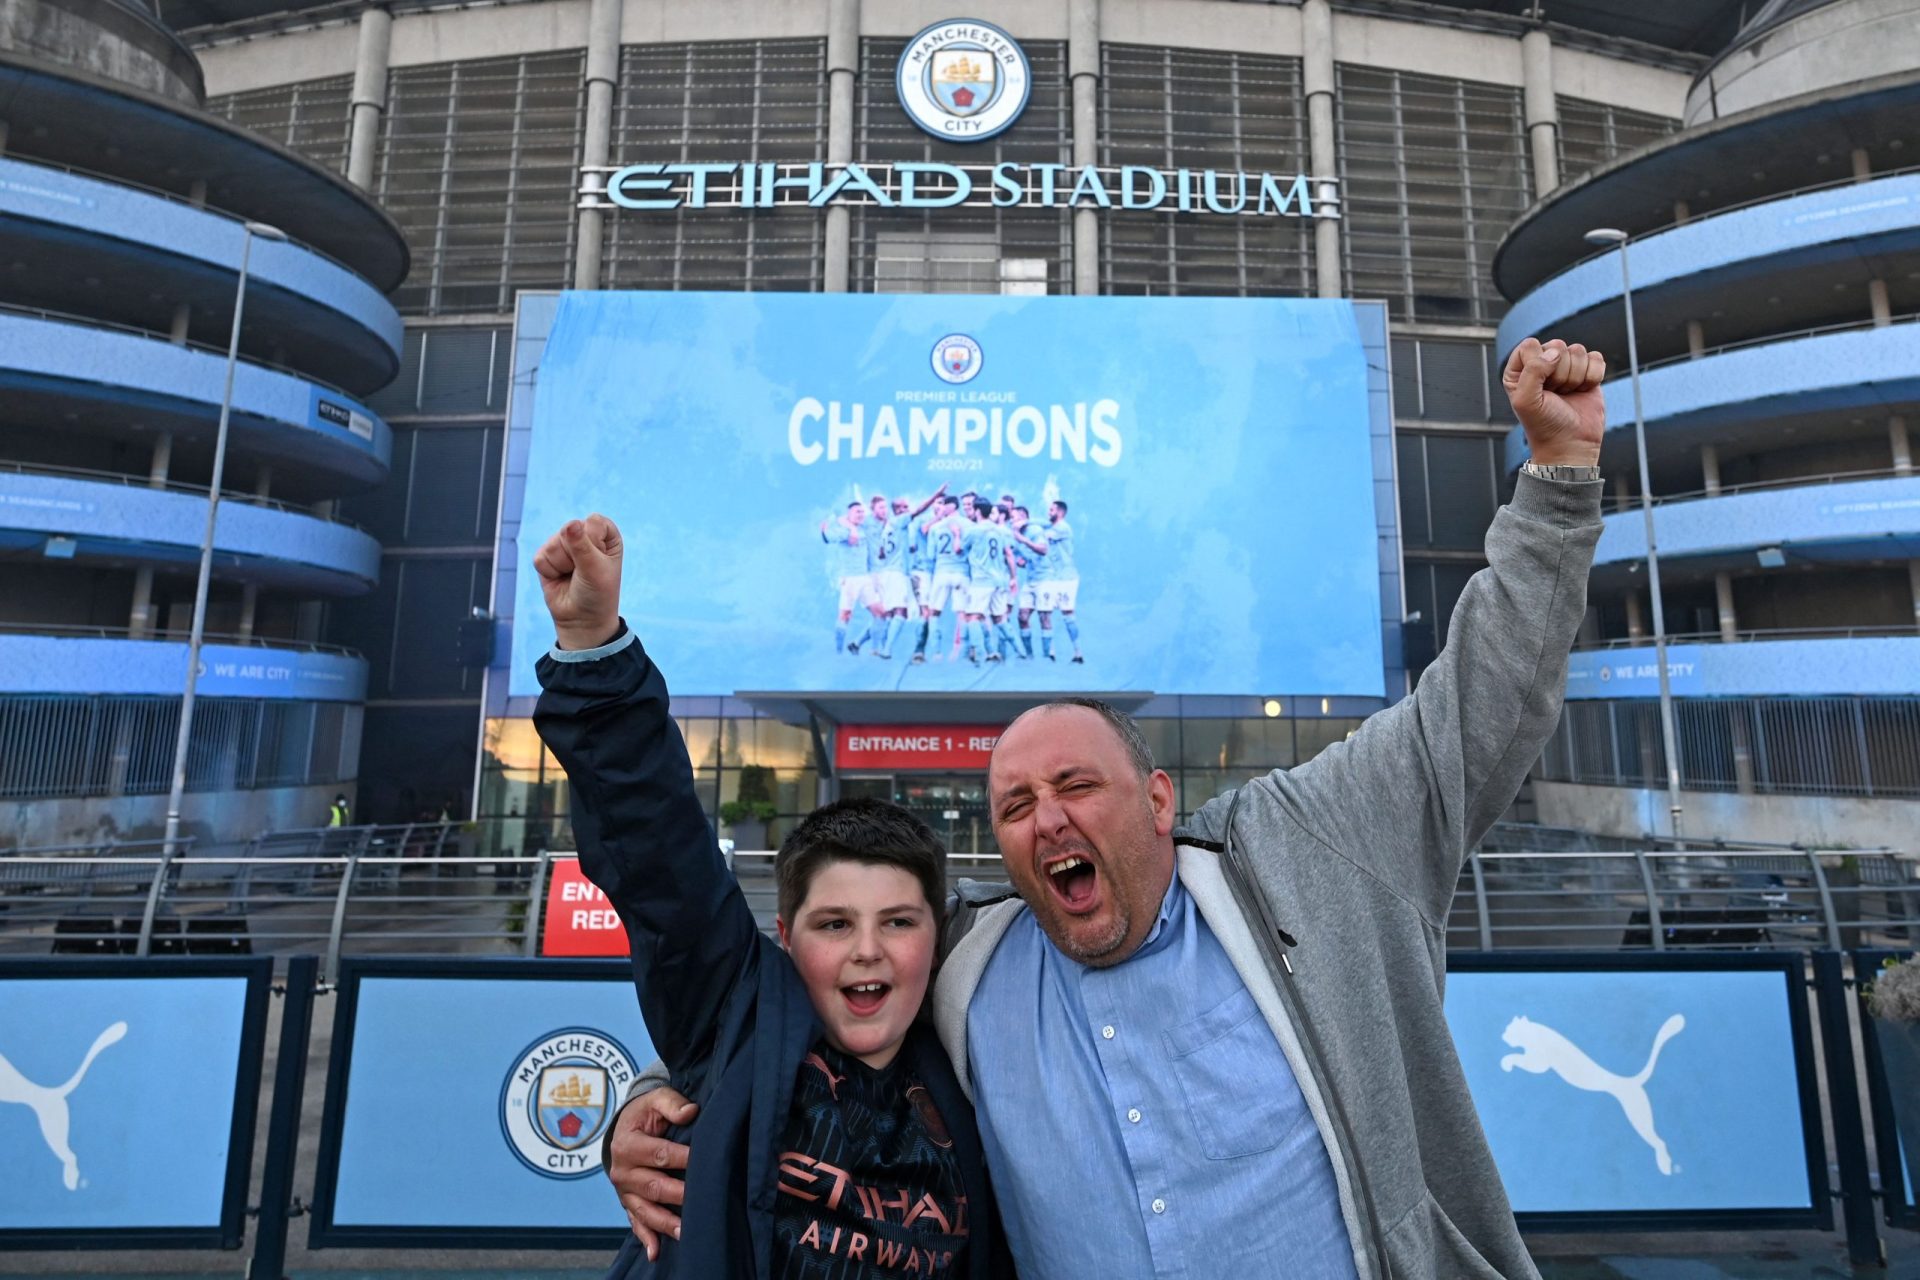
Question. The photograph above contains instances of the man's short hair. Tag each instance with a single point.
(1138, 752)
(1060, 503)
(855, 503)
(1022, 510)
(871, 832)
(982, 506)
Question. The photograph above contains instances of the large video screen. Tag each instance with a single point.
(1640, 1088)
(127, 1099)
(510, 1072)
(938, 493)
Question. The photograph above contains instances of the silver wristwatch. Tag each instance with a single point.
(1556, 471)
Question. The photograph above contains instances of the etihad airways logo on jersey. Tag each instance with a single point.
(836, 432)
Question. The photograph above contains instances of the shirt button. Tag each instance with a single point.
(1159, 1206)
(1133, 1114)
(1106, 1033)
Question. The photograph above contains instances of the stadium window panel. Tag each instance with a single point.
(1433, 171)
(759, 101)
(312, 118)
(1594, 134)
(1200, 109)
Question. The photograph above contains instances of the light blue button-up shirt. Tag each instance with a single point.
(1142, 1119)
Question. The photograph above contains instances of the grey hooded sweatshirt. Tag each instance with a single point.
(1329, 886)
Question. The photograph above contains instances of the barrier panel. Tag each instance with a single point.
(138, 1081)
(1897, 1191)
(466, 1101)
(1645, 1092)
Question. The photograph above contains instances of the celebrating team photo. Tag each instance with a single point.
(963, 577)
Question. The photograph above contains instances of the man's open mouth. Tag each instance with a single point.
(865, 998)
(1074, 881)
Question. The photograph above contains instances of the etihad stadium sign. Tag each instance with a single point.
(962, 81)
(931, 185)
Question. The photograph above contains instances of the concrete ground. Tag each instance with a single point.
(1786, 1255)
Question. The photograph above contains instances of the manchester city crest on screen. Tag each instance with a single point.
(963, 80)
(559, 1096)
(956, 358)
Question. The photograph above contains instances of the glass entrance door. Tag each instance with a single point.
(953, 804)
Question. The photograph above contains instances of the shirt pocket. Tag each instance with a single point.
(1226, 1064)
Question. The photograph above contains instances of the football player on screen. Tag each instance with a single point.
(1062, 592)
(849, 556)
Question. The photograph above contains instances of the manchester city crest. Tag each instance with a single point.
(963, 80)
(956, 358)
(559, 1096)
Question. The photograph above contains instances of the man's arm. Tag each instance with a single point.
(1414, 789)
(927, 501)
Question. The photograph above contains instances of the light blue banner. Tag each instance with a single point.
(1882, 514)
(513, 1080)
(128, 1091)
(1634, 1091)
(85, 665)
(1865, 665)
(1213, 456)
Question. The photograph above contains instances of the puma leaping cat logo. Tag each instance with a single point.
(49, 1105)
(1543, 1049)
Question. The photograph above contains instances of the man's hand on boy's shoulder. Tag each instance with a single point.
(579, 570)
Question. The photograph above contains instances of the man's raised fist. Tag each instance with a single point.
(1555, 392)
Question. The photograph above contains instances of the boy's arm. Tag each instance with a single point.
(644, 840)
(642, 835)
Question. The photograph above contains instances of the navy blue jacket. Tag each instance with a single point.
(724, 1005)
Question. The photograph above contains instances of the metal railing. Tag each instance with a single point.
(161, 633)
(1840, 745)
(1695, 219)
(171, 197)
(92, 322)
(125, 480)
(1812, 331)
(1757, 634)
(1632, 502)
(412, 890)
(1661, 900)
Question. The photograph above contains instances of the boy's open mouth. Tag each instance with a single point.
(1074, 881)
(865, 998)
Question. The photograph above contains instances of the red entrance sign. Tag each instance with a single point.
(914, 746)
(580, 920)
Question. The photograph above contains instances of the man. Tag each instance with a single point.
(1224, 1052)
(1031, 562)
(989, 553)
(1063, 588)
(887, 545)
(947, 532)
(849, 571)
(337, 812)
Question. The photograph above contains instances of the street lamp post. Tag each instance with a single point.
(252, 231)
(1614, 236)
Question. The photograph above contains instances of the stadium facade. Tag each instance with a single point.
(487, 132)
(1775, 268)
(126, 211)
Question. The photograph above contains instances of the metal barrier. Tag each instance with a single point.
(395, 891)
(1661, 900)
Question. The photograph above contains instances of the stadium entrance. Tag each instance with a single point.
(953, 804)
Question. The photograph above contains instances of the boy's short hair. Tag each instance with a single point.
(872, 832)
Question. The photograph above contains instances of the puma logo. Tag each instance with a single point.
(49, 1105)
(833, 1081)
(1543, 1049)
